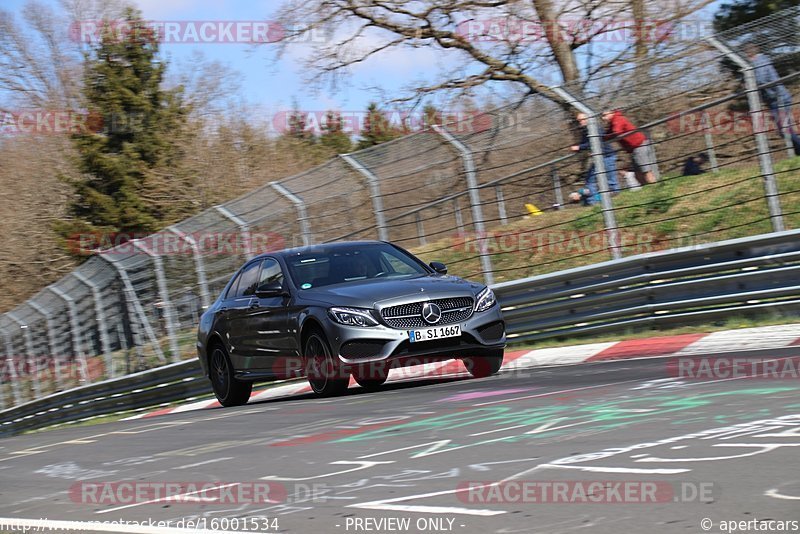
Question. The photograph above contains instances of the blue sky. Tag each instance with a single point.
(275, 86)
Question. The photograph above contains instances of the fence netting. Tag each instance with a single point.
(496, 195)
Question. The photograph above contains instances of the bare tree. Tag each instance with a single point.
(535, 44)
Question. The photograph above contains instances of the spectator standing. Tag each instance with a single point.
(776, 96)
(609, 159)
(628, 178)
(633, 142)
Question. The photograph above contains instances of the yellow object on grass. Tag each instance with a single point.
(533, 210)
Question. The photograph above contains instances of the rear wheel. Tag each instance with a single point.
(483, 366)
(324, 375)
(228, 390)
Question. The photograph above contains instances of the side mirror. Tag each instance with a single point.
(271, 289)
(439, 267)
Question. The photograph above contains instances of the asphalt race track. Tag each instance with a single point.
(599, 447)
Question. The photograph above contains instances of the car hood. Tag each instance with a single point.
(368, 292)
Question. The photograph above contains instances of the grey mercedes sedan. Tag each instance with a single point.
(341, 309)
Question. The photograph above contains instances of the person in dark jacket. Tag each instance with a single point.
(609, 159)
(776, 96)
(694, 165)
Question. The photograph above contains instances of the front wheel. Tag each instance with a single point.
(371, 377)
(483, 366)
(325, 377)
(228, 390)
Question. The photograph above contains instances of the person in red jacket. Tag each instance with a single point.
(634, 142)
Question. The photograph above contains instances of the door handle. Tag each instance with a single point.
(254, 304)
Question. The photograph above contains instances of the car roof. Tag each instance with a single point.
(323, 247)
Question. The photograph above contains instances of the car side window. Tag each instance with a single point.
(248, 281)
(232, 289)
(270, 273)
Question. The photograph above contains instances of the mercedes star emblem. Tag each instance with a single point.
(431, 313)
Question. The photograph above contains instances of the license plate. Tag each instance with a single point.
(437, 332)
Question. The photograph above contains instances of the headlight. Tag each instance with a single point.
(352, 316)
(486, 300)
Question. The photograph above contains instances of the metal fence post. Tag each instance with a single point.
(12, 369)
(75, 332)
(501, 204)
(3, 404)
(710, 151)
(596, 146)
(244, 229)
(474, 200)
(123, 344)
(199, 265)
(374, 193)
(302, 214)
(557, 187)
(420, 229)
(32, 364)
(51, 340)
(163, 294)
(135, 310)
(100, 316)
(762, 143)
(459, 216)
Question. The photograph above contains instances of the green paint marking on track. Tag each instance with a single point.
(564, 419)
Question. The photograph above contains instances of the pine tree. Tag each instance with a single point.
(297, 127)
(377, 128)
(333, 136)
(129, 157)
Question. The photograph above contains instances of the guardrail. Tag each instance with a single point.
(677, 286)
(168, 383)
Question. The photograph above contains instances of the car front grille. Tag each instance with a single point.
(406, 316)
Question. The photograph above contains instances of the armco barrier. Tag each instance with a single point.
(168, 383)
(677, 286)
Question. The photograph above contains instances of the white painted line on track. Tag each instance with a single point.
(777, 495)
(189, 466)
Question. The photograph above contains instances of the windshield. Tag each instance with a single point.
(324, 266)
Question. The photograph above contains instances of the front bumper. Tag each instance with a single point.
(482, 332)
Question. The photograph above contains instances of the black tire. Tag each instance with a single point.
(325, 376)
(483, 366)
(371, 377)
(228, 390)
